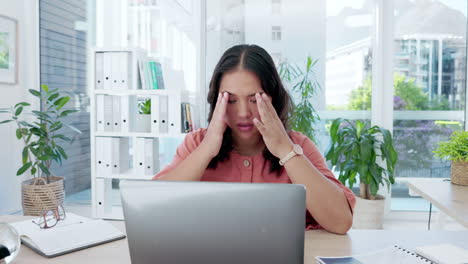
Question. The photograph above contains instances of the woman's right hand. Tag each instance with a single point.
(214, 135)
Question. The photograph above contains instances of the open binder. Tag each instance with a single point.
(71, 234)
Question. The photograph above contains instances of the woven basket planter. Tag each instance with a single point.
(37, 196)
(459, 173)
(369, 214)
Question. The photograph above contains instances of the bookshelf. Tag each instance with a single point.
(124, 143)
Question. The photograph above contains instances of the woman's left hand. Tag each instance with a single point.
(271, 128)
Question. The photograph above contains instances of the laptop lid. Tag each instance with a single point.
(214, 222)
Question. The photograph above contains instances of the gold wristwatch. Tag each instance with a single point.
(296, 151)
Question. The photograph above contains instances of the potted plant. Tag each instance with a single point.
(41, 137)
(364, 152)
(143, 118)
(305, 86)
(456, 150)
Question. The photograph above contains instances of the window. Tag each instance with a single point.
(429, 98)
(276, 32)
(63, 66)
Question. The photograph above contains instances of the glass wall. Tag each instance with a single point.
(429, 84)
(63, 42)
(429, 56)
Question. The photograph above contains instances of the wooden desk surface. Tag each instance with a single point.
(317, 242)
(449, 198)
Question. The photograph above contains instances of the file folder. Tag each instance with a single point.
(155, 114)
(163, 114)
(99, 70)
(120, 157)
(107, 70)
(116, 114)
(100, 122)
(138, 157)
(174, 114)
(108, 115)
(151, 156)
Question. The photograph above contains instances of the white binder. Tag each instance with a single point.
(163, 114)
(107, 156)
(116, 73)
(155, 114)
(100, 120)
(104, 197)
(116, 114)
(99, 148)
(99, 70)
(138, 157)
(120, 156)
(108, 115)
(125, 66)
(107, 70)
(125, 114)
(174, 114)
(151, 156)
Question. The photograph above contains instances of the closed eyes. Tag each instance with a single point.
(253, 101)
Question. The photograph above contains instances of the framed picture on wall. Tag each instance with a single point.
(8, 50)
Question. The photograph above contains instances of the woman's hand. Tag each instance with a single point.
(271, 128)
(214, 135)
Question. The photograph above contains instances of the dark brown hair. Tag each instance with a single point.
(256, 60)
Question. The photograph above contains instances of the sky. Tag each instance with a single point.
(335, 6)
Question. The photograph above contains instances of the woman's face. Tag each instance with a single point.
(242, 86)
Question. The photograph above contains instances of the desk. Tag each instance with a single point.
(317, 242)
(451, 199)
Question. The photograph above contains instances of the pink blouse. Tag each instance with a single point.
(255, 168)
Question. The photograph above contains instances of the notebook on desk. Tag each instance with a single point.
(71, 234)
(435, 254)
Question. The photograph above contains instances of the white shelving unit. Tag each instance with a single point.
(120, 148)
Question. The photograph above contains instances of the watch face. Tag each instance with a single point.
(297, 149)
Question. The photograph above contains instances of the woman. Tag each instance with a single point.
(248, 140)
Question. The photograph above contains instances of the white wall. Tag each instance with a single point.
(25, 12)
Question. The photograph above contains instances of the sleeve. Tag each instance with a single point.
(313, 154)
(190, 143)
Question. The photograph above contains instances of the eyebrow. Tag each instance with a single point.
(250, 95)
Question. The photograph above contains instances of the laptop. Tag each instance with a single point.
(214, 222)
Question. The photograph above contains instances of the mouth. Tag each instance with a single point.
(245, 127)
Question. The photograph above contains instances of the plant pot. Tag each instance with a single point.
(459, 172)
(143, 123)
(37, 196)
(368, 214)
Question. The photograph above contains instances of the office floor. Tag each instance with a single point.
(406, 213)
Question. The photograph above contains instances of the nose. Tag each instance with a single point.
(243, 109)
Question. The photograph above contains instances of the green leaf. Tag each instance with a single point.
(45, 88)
(33, 170)
(23, 168)
(67, 112)
(74, 129)
(18, 111)
(62, 152)
(44, 158)
(62, 137)
(61, 102)
(22, 104)
(53, 96)
(35, 93)
(5, 121)
(25, 155)
(19, 134)
(44, 169)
